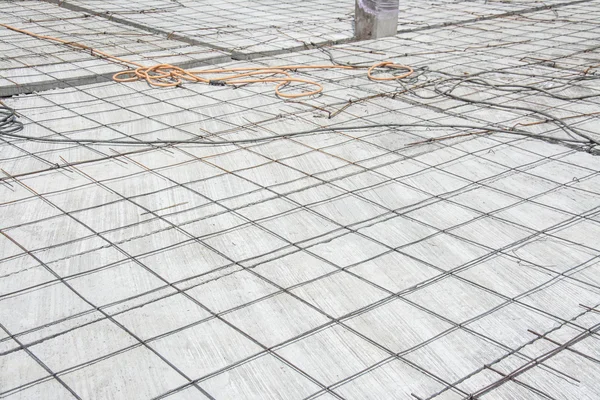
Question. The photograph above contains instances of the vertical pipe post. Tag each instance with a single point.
(375, 18)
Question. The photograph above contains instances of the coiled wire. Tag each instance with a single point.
(8, 121)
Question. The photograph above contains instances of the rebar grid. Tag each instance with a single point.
(375, 229)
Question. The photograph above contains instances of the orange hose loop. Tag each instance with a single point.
(165, 75)
(389, 64)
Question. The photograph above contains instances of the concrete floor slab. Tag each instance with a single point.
(424, 241)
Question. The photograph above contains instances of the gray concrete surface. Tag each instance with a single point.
(351, 264)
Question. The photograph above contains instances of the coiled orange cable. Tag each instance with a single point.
(166, 75)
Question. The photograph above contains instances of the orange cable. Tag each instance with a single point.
(166, 75)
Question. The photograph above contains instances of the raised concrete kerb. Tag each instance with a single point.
(375, 19)
(7, 90)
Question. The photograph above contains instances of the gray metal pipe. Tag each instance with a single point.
(375, 18)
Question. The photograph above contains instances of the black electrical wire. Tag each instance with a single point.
(441, 83)
(8, 121)
(11, 134)
(566, 127)
(457, 81)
